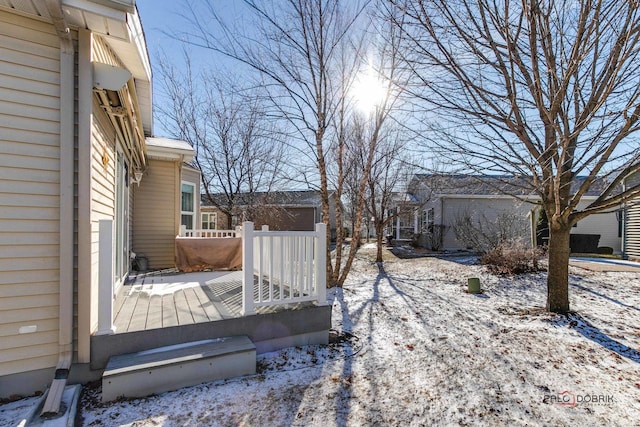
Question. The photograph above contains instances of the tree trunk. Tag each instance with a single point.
(379, 237)
(558, 276)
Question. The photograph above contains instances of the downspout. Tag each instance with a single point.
(65, 326)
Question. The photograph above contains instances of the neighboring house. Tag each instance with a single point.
(280, 210)
(444, 200)
(631, 241)
(405, 224)
(165, 199)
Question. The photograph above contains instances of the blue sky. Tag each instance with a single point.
(161, 19)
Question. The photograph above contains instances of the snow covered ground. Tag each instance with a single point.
(416, 349)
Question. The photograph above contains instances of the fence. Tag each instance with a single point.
(210, 233)
(282, 267)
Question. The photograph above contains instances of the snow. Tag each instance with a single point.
(416, 349)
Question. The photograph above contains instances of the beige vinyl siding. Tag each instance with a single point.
(29, 189)
(155, 213)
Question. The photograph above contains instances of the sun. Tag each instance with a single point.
(368, 91)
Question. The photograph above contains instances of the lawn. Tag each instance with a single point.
(415, 349)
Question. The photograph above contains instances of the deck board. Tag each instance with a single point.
(182, 308)
(197, 311)
(206, 304)
(140, 312)
(169, 315)
(154, 314)
(123, 317)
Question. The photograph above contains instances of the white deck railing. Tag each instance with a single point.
(290, 266)
(210, 233)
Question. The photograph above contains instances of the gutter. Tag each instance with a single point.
(65, 317)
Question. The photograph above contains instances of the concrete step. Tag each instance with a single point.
(176, 366)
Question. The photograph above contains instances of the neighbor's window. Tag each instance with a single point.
(209, 221)
(428, 217)
(187, 209)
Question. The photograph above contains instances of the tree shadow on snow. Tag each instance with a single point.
(587, 330)
(613, 300)
(349, 317)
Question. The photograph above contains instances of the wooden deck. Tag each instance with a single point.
(165, 299)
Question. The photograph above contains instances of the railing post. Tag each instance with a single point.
(105, 278)
(320, 252)
(247, 268)
(183, 231)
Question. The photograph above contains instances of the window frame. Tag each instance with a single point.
(209, 215)
(191, 213)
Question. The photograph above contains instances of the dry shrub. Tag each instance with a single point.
(512, 257)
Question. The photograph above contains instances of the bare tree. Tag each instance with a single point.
(548, 90)
(307, 55)
(388, 172)
(238, 150)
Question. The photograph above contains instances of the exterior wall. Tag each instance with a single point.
(632, 223)
(30, 187)
(632, 248)
(480, 209)
(604, 224)
(156, 219)
(221, 218)
(447, 210)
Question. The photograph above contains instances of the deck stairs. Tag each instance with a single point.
(173, 367)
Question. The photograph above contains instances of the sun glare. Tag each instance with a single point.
(368, 92)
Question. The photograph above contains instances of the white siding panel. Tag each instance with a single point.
(44, 264)
(28, 86)
(31, 288)
(29, 189)
(36, 162)
(29, 73)
(633, 232)
(30, 136)
(14, 55)
(26, 226)
(27, 148)
(28, 123)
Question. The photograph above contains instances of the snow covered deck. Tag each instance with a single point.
(168, 308)
(168, 298)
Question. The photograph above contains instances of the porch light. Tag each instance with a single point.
(136, 177)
